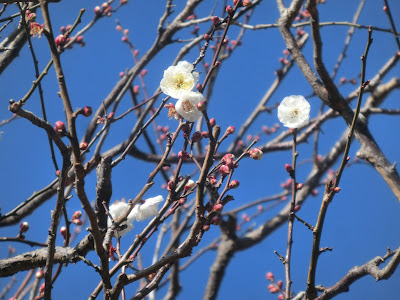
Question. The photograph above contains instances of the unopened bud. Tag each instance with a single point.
(215, 20)
(41, 289)
(97, 10)
(280, 284)
(77, 222)
(59, 127)
(234, 184)
(87, 111)
(24, 227)
(218, 207)
(212, 122)
(39, 274)
(270, 276)
(336, 189)
(288, 168)
(230, 130)
(60, 40)
(229, 9)
(297, 208)
(63, 232)
(205, 134)
(256, 153)
(247, 3)
(224, 170)
(182, 201)
(299, 186)
(83, 146)
(77, 215)
(201, 106)
(216, 220)
(183, 155)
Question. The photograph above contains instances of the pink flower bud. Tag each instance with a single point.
(182, 201)
(230, 130)
(256, 153)
(23, 227)
(234, 184)
(125, 39)
(63, 232)
(228, 159)
(122, 2)
(41, 289)
(39, 274)
(60, 40)
(119, 28)
(270, 276)
(274, 290)
(121, 74)
(247, 3)
(79, 39)
(59, 127)
(217, 64)
(110, 115)
(229, 10)
(58, 173)
(218, 207)
(336, 189)
(297, 208)
(281, 297)
(87, 111)
(212, 122)
(270, 287)
(207, 37)
(144, 72)
(288, 168)
(299, 186)
(104, 5)
(77, 215)
(280, 284)
(136, 53)
(97, 10)
(215, 20)
(224, 170)
(136, 89)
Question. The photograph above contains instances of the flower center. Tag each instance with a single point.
(187, 106)
(294, 113)
(180, 82)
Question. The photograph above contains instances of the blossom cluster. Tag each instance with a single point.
(139, 212)
(179, 82)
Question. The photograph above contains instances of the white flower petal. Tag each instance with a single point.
(294, 111)
(148, 209)
(187, 106)
(116, 210)
(179, 79)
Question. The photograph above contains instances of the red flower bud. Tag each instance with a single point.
(224, 170)
(59, 127)
(288, 168)
(234, 184)
(215, 20)
(87, 111)
(218, 207)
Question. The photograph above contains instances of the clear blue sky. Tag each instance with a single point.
(363, 219)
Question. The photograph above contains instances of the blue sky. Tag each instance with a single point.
(362, 220)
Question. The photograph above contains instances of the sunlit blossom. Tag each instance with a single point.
(179, 79)
(140, 212)
(294, 111)
(186, 106)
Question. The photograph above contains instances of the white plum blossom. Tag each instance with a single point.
(148, 209)
(141, 212)
(179, 79)
(294, 111)
(186, 106)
